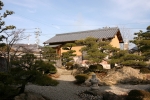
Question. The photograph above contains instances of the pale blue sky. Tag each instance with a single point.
(62, 16)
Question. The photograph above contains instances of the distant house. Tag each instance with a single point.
(21, 49)
(113, 34)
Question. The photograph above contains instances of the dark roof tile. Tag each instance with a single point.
(98, 33)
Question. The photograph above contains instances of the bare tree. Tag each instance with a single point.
(11, 38)
(127, 35)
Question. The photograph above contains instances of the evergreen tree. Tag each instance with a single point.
(124, 58)
(3, 27)
(69, 54)
(2, 23)
(96, 50)
(49, 54)
(142, 41)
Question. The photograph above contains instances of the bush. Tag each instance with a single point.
(69, 65)
(81, 78)
(96, 68)
(138, 95)
(46, 67)
(76, 66)
(51, 69)
(6, 90)
(44, 80)
(144, 70)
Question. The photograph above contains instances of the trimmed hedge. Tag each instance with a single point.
(81, 78)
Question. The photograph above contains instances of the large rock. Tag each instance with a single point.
(122, 75)
(112, 96)
(29, 96)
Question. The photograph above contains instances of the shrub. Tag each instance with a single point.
(138, 95)
(81, 78)
(69, 65)
(94, 68)
(44, 80)
(99, 67)
(46, 67)
(51, 69)
(6, 90)
(76, 66)
(144, 70)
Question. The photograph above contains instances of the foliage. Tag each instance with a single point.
(13, 82)
(124, 58)
(134, 63)
(6, 90)
(69, 65)
(49, 54)
(145, 70)
(95, 68)
(81, 78)
(45, 67)
(4, 15)
(44, 80)
(22, 77)
(138, 95)
(69, 54)
(142, 41)
(28, 70)
(7, 39)
(75, 66)
(96, 50)
(68, 46)
(26, 61)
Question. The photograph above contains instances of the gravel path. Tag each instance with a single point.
(67, 90)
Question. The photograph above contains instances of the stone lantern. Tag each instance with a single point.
(94, 81)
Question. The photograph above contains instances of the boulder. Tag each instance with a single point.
(112, 96)
(122, 75)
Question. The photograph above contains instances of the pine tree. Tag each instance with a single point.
(96, 50)
(67, 57)
(142, 41)
(49, 54)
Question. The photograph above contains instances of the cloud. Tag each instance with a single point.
(129, 10)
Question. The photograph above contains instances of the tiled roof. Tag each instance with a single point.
(73, 36)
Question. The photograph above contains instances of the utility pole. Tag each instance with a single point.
(37, 34)
(28, 39)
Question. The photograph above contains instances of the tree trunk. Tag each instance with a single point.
(3, 64)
